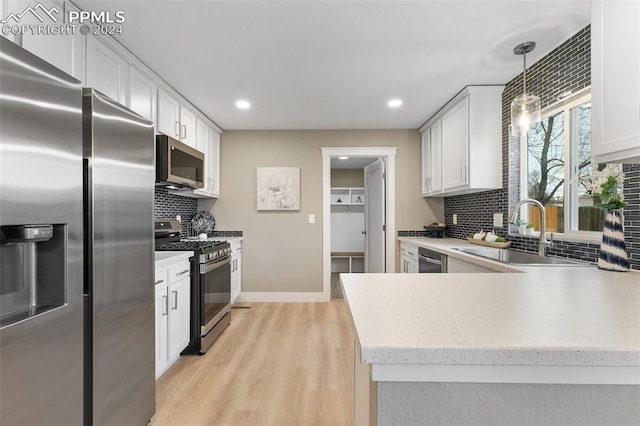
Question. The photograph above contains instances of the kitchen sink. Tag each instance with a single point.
(514, 257)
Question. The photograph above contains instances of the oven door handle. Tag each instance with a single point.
(208, 267)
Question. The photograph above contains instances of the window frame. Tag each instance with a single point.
(570, 188)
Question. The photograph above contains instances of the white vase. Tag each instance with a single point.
(613, 251)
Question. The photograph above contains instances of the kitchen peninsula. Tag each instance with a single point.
(537, 345)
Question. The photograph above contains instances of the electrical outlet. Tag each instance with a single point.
(497, 220)
(455, 219)
(312, 218)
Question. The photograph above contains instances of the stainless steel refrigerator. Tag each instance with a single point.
(76, 251)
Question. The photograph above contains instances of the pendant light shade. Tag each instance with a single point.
(525, 108)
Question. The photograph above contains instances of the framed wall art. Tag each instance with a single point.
(278, 188)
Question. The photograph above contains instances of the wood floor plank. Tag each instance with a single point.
(276, 364)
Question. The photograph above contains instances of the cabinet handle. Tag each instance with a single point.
(159, 282)
(184, 131)
(182, 273)
(165, 305)
(463, 172)
(175, 300)
(177, 129)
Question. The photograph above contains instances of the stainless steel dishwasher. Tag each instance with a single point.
(431, 262)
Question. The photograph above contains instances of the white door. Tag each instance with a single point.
(374, 217)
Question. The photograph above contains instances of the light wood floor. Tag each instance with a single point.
(276, 364)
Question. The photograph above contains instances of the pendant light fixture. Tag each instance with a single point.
(525, 108)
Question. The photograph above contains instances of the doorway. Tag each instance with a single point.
(379, 243)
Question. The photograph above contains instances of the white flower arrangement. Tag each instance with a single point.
(606, 184)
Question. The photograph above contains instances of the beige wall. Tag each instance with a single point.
(344, 178)
(281, 251)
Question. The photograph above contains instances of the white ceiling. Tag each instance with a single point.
(336, 64)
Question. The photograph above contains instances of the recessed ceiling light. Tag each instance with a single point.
(243, 104)
(394, 103)
(343, 158)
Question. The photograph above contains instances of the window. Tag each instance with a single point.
(556, 151)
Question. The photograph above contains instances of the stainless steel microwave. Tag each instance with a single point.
(177, 164)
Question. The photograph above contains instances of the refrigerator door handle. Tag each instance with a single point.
(87, 227)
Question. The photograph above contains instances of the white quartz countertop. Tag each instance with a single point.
(164, 259)
(531, 316)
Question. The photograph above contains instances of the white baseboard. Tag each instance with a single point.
(282, 297)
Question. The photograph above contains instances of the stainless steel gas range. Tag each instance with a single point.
(210, 284)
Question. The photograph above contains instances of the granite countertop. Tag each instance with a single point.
(525, 316)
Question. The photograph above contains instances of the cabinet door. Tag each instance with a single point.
(168, 115)
(426, 162)
(143, 95)
(106, 71)
(414, 266)
(616, 81)
(162, 322)
(236, 273)
(203, 137)
(187, 126)
(435, 157)
(214, 164)
(179, 310)
(64, 51)
(404, 264)
(455, 145)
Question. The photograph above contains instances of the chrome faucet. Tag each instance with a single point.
(542, 241)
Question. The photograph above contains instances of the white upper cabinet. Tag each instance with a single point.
(432, 159)
(176, 120)
(455, 155)
(106, 71)
(615, 81)
(168, 115)
(187, 126)
(462, 144)
(207, 140)
(64, 51)
(142, 96)
(214, 165)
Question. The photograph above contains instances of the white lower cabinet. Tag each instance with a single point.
(173, 295)
(409, 259)
(236, 270)
(457, 266)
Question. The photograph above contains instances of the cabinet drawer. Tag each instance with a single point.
(179, 272)
(411, 252)
(161, 277)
